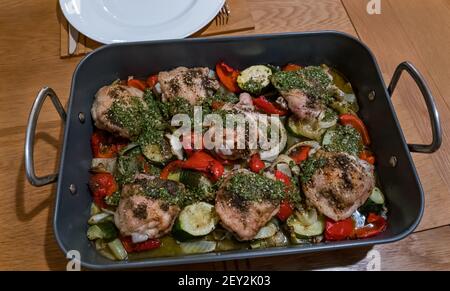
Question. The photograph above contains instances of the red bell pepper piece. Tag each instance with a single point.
(147, 245)
(377, 225)
(102, 185)
(152, 80)
(368, 157)
(301, 154)
(103, 145)
(203, 162)
(216, 170)
(216, 105)
(286, 208)
(339, 230)
(256, 164)
(199, 161)
(268, 107)
(228, 76)
(280, 176)
(291, 67)
(354, 121)
(141, 85)
(285, 211)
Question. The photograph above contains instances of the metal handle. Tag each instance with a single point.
(431, 106)
(30, 134)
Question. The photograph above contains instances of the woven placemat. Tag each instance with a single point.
(240, 20)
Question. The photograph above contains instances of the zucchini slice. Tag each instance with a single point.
(302, 129)
(254, 79)
(306, 231)
(105, 230)
(198, 219)
(198, 247)
(158, 153)
(307, 217)
(279, 239)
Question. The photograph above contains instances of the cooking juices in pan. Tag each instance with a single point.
(195, 160)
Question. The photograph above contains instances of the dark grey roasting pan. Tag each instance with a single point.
(396, 170)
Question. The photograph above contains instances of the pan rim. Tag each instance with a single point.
(243, 254)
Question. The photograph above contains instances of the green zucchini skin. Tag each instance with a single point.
(192, 178)
(254, 79)
(179, 234)
(303, 230)
(300, 129)
(158, 153)
(104, 230)
(195, 220)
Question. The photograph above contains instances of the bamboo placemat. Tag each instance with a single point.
(240, 20)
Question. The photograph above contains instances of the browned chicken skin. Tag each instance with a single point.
(105, 98)
(139, 214)
(244, 220)
(341, 186)
(146, 216)
(232, 138)
(193, 84)
(304, 107)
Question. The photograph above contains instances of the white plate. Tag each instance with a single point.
(110, 21)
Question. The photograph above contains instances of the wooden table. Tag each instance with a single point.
(414, 30)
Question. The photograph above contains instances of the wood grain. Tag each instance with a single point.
(404, 31)
(240, 19)
(27, 240)
(292, 15)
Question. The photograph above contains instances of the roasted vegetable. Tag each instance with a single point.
(267, 231)
(306, 224)
(358, 124)
(198, 247)
(105, 231)
(228, 76)
(158, 153)
(277, 240)
(301, 128)
(195, 220)
(118, 250)
(254, 79)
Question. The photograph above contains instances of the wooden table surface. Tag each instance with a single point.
(414, 30)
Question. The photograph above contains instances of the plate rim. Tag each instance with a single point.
(102, 40)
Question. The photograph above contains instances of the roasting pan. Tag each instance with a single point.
(395, 169)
